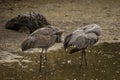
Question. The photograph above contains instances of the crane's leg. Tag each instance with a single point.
(46, 60)
(85, 58)
(41, 58)
(81, 58)
(83, 55)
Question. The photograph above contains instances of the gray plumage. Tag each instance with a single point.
(82, 38)
(42, 38)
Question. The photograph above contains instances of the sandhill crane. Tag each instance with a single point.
(82, 38)
(42, 38)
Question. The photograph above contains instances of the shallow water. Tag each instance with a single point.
(103, 64)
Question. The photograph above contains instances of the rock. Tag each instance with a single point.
(115, 38)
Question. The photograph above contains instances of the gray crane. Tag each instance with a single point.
(42, 38)
(82, 38)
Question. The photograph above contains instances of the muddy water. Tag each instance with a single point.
(103, 64)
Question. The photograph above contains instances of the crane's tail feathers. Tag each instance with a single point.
(74, 50)
(66, 41)
(27, 44)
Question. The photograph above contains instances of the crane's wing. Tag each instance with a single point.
(28, 43)
(83, 41)
(38, 41)
(93, 38)
(79, 44)
(46, 30)
(93, 28)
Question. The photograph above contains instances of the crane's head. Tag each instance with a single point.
(59, 36)
(58, 33)
(53, 31)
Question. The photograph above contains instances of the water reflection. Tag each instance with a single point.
(103, 64)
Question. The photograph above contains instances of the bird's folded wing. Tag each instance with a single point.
(83, 41)
(41, 31)
(92, 38)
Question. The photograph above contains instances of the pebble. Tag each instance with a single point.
(69, 61)
(63, 62)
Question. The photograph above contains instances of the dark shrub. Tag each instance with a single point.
(30, 21)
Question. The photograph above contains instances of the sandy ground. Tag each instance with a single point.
(68, 15)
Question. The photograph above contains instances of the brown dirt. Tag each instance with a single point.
(68, 15)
